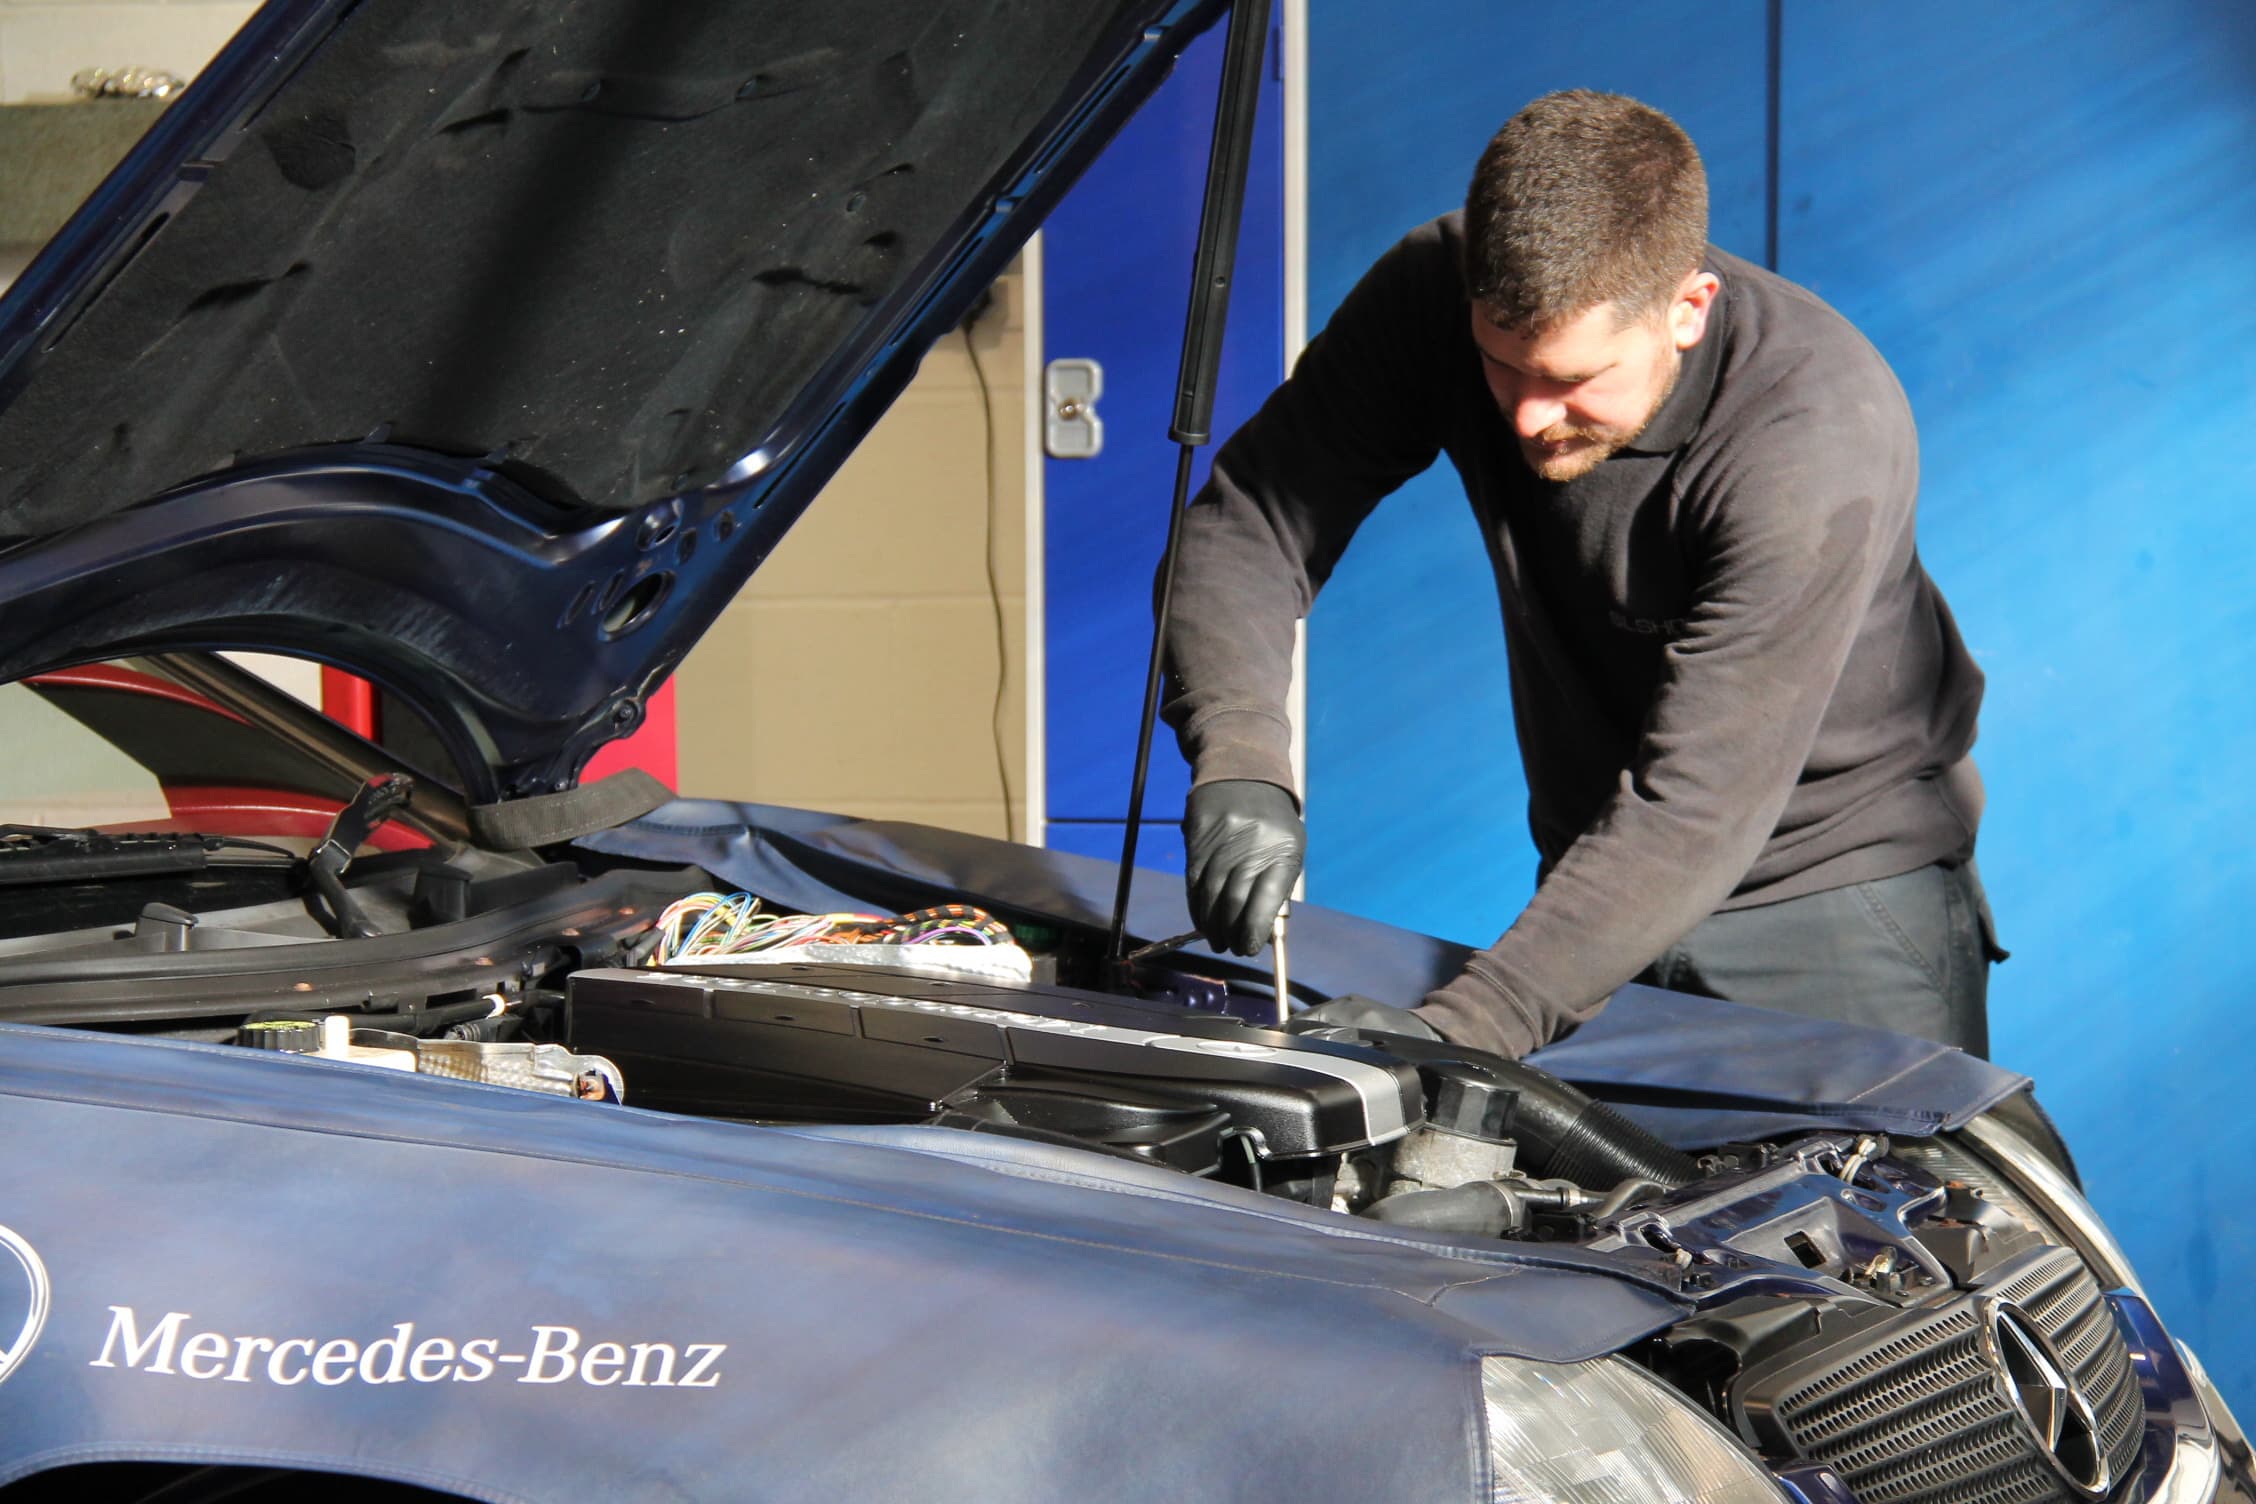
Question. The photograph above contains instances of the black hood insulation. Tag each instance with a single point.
(619, 244)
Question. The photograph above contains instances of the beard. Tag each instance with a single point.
(1563, 452)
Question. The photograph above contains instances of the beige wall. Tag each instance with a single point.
(858, 672)
(43, 42)
(51, 158)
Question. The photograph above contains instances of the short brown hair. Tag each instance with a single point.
(1583, 199)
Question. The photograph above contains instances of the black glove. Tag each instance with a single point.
(1352, 1010)
(1245, 843)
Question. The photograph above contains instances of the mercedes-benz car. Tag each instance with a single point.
(421, 1119)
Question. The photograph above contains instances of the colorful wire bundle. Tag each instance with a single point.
(705, 925)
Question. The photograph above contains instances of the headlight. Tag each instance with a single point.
(2057, 1202)
(1607, 1432)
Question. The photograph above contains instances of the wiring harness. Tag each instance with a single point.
(704, 926)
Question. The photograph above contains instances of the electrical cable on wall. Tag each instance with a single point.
(994, 581)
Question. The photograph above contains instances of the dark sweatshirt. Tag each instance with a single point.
(1732, 682)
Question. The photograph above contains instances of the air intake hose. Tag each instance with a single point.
(1571, 1136)
(1562, 1133)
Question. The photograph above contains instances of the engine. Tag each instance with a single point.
(1891, 1312)
(1890, 1315)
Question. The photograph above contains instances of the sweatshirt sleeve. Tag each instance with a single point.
(1356, 419)
(1804, 518)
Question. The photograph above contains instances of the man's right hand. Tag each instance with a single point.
(1245, 845)
(1352, 1010)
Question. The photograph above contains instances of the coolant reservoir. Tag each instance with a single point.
(336, 1044)
(548, 1068)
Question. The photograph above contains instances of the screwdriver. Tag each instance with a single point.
(1277, 950)
(1276, 945)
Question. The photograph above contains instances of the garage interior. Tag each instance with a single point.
(2042, 218)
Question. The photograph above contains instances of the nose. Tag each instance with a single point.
(1533, 414)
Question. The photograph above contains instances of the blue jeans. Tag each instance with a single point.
(1910, 953)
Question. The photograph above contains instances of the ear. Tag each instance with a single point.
(1688, 314)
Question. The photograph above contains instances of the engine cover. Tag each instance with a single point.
(848, 1043)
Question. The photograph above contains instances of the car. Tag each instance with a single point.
(420, 1120)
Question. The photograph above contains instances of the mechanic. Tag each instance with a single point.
(1743, 708)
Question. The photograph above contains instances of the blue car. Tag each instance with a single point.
(423, 1120)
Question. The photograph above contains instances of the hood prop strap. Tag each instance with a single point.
(1244, 53)
(547, 819)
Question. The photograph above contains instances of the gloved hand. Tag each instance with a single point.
(1245, 844)
(1351, 1010)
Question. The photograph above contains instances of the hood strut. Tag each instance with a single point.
(438, 812)
(1244, 52)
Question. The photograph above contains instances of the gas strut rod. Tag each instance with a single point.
(1244, 52)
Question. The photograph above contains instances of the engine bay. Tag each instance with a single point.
(1835, 1275)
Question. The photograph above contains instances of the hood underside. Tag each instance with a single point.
(573, 261)
(610, 241)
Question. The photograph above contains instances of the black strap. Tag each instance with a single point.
(545, 819)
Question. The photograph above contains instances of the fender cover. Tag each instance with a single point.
(222, 1255)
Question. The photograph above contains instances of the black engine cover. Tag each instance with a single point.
(803, 1040)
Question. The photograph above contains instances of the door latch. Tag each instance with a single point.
(1073, 431)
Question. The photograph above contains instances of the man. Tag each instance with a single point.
(1743, 708)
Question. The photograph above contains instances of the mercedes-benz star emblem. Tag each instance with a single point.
(23, 1299)
(2044, 1391)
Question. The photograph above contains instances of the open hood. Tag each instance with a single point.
(486, 351)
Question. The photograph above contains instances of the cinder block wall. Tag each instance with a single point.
(859, 672)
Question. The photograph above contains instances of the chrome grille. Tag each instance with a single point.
(1922, 1409)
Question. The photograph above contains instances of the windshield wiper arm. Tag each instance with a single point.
(48, 854)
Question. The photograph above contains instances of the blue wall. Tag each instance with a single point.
(1116, 274)
(2046, 218)
(1417, 810)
